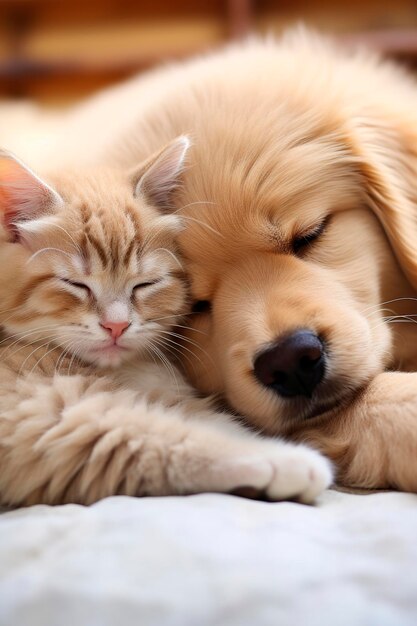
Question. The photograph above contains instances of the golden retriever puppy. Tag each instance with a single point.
(300, 203)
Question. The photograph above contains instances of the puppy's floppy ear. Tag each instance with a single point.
(157, 178)
(23, 195)
(386, 150)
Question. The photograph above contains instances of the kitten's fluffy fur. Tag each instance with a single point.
(91, 286)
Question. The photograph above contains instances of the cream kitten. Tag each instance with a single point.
(90, 406)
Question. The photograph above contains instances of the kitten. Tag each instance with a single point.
(91, 286)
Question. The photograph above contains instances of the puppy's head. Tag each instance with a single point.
(287, 250)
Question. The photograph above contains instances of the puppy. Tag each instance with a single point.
(300, 204)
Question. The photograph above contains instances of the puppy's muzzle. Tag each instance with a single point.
(293, 366)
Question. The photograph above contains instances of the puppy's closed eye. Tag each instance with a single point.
(201, 306)
(304, 241)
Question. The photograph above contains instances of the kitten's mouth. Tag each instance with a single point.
(112, 348)
(110, 355)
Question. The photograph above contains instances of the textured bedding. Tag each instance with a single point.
(212, 560)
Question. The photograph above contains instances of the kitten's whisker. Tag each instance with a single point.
(21, 339)
(26, 334)
(403, 315)
(172, 255)
(165, 362)
(86, 366)
(152, 235)
(148, 350)
(194, 330)
(194, 219)
(165, 317)
(404, 319)
(60, 361)
(370, 314)
(76, 245)
(75, 355)
(65, 351)
(180, 347)
(398, 319)
(176, 354)
(47, 343)
(10, 356)
(180, 315)
(380, 304)
(41, 359)
(11, 311)
(185, 206)
(150, 238)
(24, 345)
(35, 254)
(190, 341)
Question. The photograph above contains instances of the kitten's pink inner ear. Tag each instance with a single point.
(159, 176)
(23, 196)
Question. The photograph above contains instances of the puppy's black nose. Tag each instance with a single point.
(293, 366)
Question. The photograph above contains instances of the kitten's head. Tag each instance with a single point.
(88, 261)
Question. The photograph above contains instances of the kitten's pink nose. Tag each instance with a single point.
(115, 328)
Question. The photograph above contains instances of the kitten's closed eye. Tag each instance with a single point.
(147, 284)
(77, 285)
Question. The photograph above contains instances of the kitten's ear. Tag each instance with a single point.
(23, 195)
(157, 178)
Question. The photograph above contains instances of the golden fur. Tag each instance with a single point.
(287, 134)
(91, 285)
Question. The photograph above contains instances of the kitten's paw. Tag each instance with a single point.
(301, 473)
(287, 473)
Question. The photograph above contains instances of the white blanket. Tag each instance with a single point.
(212, 560)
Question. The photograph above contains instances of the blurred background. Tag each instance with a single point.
(56, 51)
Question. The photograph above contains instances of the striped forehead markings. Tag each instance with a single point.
(113, 250)
(116, 240)
(94, 242)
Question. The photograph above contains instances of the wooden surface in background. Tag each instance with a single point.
(56, 51)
